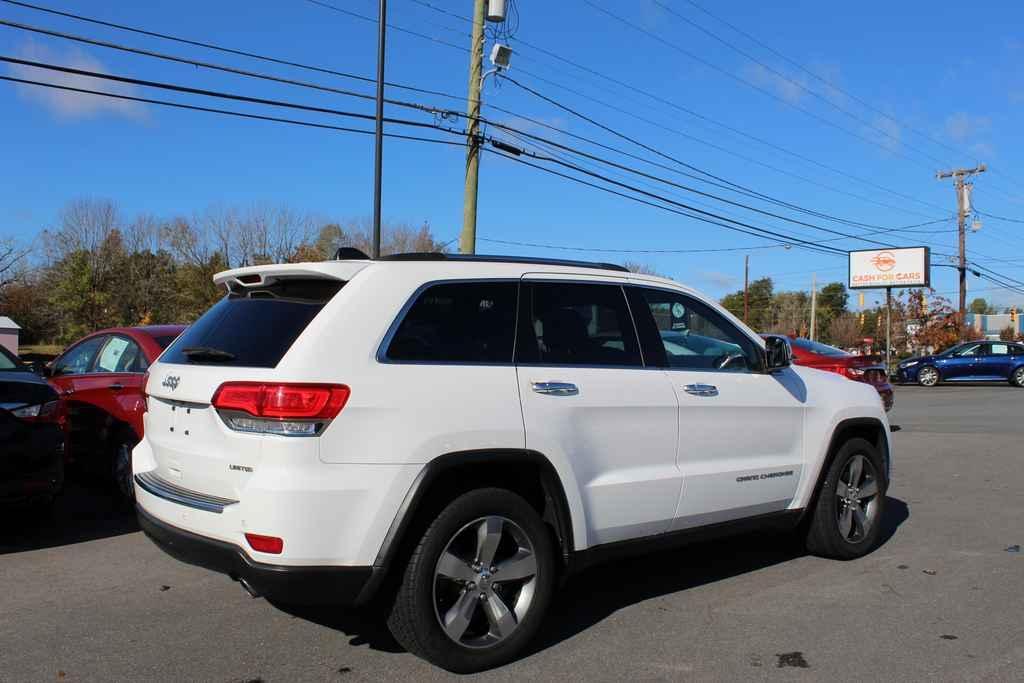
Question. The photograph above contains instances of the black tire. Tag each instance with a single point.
(121, 466)
(825, 536)
(415, 619)
(925, 374)
(1017, 377)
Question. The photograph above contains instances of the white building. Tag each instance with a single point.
(9, 331)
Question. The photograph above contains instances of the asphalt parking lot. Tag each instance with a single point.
(86, 597)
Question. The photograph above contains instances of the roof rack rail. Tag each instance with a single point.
(486, 258)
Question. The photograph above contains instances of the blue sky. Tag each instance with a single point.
(924, 85)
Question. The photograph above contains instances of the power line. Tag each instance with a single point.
(744, 81)
(826, 82)
(372, 20)
(214, 93)
(215, 66)
(786, 78)
(227, 50)
(728, 185)
(779, 148)
(676, 132)
(550, 144)
(689, 189)
(212, 110)
(631, 251)
(757, 232)
(999, 218)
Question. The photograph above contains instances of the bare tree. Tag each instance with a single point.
(844, 330)
(641, 268)
(11, 258)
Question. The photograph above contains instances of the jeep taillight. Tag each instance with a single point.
(284, 409)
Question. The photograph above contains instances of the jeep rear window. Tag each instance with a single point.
(253, 327)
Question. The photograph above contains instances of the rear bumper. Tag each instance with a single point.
(288, 584)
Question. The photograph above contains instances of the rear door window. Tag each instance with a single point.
(119, 355)
(576, 324)
(458, 322)
(253, 326)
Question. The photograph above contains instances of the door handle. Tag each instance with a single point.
(556, 388)
(701, 389)
(116, 386)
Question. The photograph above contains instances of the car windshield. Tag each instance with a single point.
(8, 361)
(958, 349)
(818, 348)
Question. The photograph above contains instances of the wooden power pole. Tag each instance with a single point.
(746, 287)
(467, 240)
(814, 303)
(963, 208)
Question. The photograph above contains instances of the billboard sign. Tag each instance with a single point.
(881, 268)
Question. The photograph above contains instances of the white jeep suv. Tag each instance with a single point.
(455, 435)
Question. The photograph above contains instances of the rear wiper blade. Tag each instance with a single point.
(207, 353)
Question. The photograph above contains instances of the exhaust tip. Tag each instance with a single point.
(247, 586)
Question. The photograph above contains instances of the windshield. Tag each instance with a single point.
(8, 361)
(818, 348)
(955, 350)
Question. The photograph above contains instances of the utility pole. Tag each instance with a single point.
(888, 330)
(378, 152)
(746, 287)
(963, 208)
(814, 302)
(467, 240)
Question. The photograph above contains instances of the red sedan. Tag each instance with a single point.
(101, 379)
(868, 369)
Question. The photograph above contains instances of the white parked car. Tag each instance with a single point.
(454, 435)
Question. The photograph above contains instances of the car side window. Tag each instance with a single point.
(999, 350)
(458, 322)
(1017, 350)
(970, 350)
(120, 355)
(688, 334)
(565, 323)
(78, 360)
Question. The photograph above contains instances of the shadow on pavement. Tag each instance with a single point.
(598, 593)
(592, 596)
(83, 512)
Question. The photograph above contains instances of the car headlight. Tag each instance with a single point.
(909, 363)
(27, 411)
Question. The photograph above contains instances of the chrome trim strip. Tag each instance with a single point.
(151, 483)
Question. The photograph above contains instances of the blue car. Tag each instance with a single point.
(977, 361)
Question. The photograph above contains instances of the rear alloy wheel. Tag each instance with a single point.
(476, 588)
(1017, 378)
(122, 470)
(927, 376)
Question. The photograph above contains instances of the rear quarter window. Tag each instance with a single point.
(253, 326)
(458, 322)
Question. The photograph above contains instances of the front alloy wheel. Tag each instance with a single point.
(845, 520)
(857, 491)
(1018, 377)
(928, 376)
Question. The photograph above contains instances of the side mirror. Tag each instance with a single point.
(778, 352)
